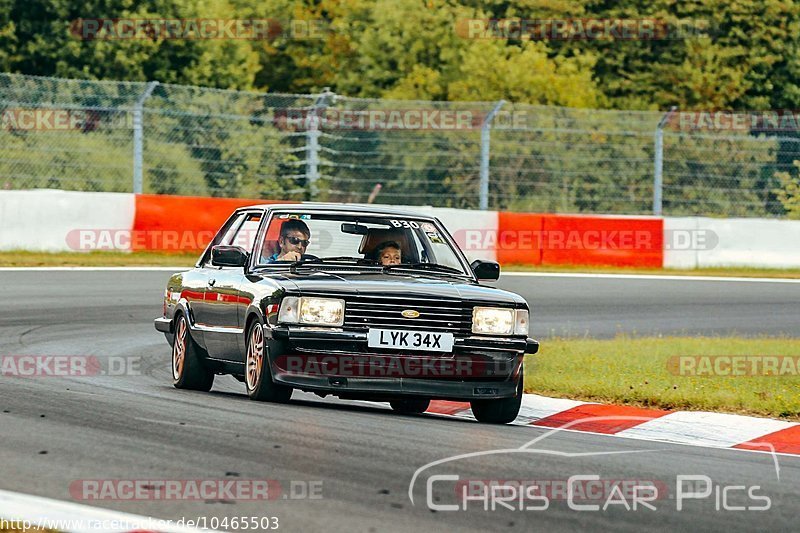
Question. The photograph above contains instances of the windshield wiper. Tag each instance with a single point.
(321, 260)
(426, 266)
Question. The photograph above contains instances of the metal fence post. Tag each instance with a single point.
(485, 153)
(312, 141)
(138, 137)
(658, 180)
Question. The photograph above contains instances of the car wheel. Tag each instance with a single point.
(258, 376)
(501, 411)
(188, 369)
(412, 406)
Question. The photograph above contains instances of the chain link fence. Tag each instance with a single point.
(171, 139)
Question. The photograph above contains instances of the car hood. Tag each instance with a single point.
(395, 284)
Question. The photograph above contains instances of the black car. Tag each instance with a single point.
(358, 302)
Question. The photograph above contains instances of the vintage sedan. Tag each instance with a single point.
(358, 302)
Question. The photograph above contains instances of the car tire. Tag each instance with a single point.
(258, 376)
(501, 411)
(411, 406)
(189, 371)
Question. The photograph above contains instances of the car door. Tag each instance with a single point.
(224, 301)
(202, 275)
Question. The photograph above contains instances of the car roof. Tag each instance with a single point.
(318, 207)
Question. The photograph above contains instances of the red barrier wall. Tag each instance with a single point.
(593, 240)
(519, 238)
(580, 240)
(181, 223)
(184, 223)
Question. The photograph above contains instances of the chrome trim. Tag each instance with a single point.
(219, 329)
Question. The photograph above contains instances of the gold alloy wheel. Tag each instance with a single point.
(179, 350)
(255, 356)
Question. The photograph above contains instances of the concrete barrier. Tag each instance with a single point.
(49, 220)
(53, 221)
(743, 242)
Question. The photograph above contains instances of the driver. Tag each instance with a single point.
(293, 241)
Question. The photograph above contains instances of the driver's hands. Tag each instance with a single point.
(290, 256)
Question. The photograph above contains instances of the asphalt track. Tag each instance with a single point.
(137, 426)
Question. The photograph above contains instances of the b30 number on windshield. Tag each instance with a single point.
(404, 224)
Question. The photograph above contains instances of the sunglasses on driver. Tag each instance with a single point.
(295, 241)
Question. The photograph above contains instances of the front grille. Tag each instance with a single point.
(436, 314)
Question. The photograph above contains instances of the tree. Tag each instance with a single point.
(789, 193)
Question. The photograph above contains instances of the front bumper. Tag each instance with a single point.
(377, 388)
(163, 324)
(341, 363)
(332, 337)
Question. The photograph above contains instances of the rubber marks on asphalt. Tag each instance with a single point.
(696, 428)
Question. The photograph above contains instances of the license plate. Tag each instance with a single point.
(403, 339)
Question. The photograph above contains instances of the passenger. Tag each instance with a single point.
(293, 241)
(388, 253)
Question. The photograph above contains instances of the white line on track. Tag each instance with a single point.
(648, 277)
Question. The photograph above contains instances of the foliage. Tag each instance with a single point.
(789, 193)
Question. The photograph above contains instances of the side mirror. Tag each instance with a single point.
(485, 270)
(229, 256)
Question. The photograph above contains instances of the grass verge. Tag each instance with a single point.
(44, 259)
(646, 372)
(16, 526)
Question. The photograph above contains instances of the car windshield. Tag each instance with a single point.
(369, 240)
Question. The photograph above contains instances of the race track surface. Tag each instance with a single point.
(136, 426)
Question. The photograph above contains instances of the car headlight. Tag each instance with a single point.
(499, 321)
(312, 311)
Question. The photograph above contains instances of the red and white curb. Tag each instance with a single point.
(18, 509)
(697, 428)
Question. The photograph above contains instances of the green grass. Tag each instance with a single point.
(34, 259)
(635, 371)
